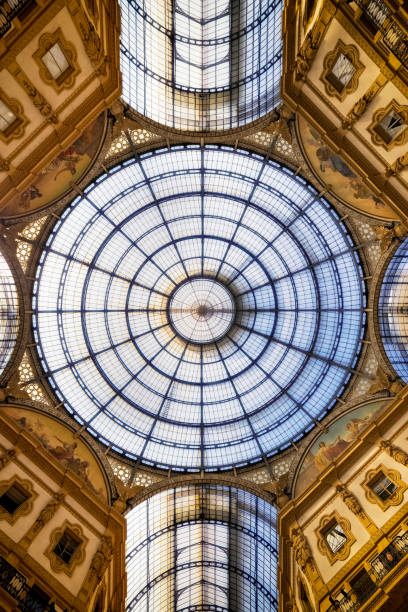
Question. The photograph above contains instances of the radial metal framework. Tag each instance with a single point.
(201, 65)
(201, 548)
(393, 311)
(9, 313)
(230, 390)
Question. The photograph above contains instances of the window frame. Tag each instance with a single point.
(372, 476)
(57, 564)
(327, 522)
(25, 507)
(377, 132)
(351, 53)
(67, 78)
(17, 127)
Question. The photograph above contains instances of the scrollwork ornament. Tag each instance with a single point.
(301, 548)
(7, 457)
(394, 452)
(349, 500)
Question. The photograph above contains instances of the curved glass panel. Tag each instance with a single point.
(247, 251)
(202, 547)
(9, 316)
(393, 311)
(201, 65)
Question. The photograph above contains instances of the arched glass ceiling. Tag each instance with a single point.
(393, 311)
(9, 316)
(198, 308)
(201, 65)
(202, 548)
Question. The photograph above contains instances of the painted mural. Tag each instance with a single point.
(56, 178)
(60, 442)
(328, 446)
(332, 170)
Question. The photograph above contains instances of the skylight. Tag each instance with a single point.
(9, 316)
(202, 547)
(201, 65)
(199, 308)
(393, 311)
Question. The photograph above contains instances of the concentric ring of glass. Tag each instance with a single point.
(135, 250)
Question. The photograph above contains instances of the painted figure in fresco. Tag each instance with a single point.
(327, 453)
(355, 425)
(66, 452)
(330, 161)
(29, 194)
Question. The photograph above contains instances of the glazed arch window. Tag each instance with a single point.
(342, 69)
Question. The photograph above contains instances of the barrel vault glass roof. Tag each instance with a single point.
(201, 65)
(9, 313)
(228, 240)
(202, 548)
(393, 311)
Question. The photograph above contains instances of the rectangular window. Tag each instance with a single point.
(55, 61)
(341, 72)
(7, 117)
(13, 498)
(390, 126)
(66, 546)
(383, 487)
(335, 537)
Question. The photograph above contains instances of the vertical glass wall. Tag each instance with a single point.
(9, 317)
(202, 547)
(202, 65)
(393, 311)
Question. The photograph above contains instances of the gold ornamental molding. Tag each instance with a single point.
(325, 524)
(379, 136)
(42, 519)
(36, 97)
(362, 104)
(25, 486)
(350, 52)
(395, 499)
(78, 556)
(17, 128)
(67, 78)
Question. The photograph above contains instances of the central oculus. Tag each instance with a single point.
(201, 310)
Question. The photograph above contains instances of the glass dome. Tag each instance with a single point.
(202, 65)
(199, 308)
(393, 311)
(202, 547)
(9, 315)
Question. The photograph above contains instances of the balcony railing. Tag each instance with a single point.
(8, 10)
(15, 584)
(389, 557)
(367, 585)
(380, 15)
